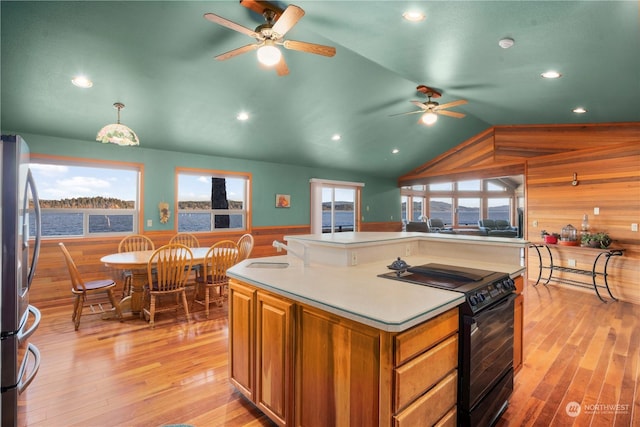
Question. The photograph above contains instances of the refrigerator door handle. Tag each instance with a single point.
(38, 237)
(24, 335)
(23, 383)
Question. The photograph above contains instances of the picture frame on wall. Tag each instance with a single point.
(283, 200)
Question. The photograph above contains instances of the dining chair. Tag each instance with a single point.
(167, 270)
(133, 243)
(190, 241)
(245, 246)
(81, 289)
(218, 259)
(187, 239)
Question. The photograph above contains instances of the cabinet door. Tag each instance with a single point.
(274, 357)
(337, 371)
(242, 337)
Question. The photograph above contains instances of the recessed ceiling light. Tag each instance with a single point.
(413, 16)
(551, 75)
(242, 116)
(395, 151)
(82, 81)
(506, 42)
(336, 137)
(579, 110)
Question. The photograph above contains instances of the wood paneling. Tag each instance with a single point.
(605, 158)
(51, 282)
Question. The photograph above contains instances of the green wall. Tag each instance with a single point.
(380, 196)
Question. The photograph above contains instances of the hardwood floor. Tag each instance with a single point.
(108, 373)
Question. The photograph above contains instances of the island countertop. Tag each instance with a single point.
(356, 292)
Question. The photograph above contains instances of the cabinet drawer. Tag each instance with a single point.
(449, 420)
(420, 374)
(431, 407)
(416, 340)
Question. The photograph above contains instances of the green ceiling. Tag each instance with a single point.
(157, 58)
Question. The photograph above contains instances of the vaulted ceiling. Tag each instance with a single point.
(158, 59)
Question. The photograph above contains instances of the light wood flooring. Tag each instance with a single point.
(108, 373)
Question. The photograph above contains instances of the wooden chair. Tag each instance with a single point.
(132, 243)
(219, 258)
(168, 269)
(187, 239)
(190, 241)
(81, 289)
(245, 246)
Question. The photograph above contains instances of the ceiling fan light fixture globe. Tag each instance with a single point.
(429, 118)
(269, 54)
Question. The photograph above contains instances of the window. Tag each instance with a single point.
(499, 208)
(468, 211)
(462, 203)
(212, 200)
(334, 206)
(441, 208)
(86, 198)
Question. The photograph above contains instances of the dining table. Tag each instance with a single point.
(137, 262)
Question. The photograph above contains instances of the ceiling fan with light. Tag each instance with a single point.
(431, 109)
(270, 35)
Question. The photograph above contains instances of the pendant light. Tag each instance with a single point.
(117, 133)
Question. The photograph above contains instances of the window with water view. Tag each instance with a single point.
(86, 199)
(212, 201)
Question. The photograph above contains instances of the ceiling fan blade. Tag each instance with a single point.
(451, 104)
(451, 113)
(232, 25)
(318, 49)
(281, 67)
(419, 104)
(287, 20)
(404, 114)
(236, 52)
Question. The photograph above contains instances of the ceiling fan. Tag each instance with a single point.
(431, 109)
(270, 35)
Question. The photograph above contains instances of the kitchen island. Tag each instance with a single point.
(316, 338)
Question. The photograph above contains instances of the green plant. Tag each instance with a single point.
(596, 240)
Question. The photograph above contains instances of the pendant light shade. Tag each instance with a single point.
(117, 133)
(429, 118)
(269, 54)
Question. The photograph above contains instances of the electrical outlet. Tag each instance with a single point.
(149, 223)
(596, 211)
(407, 250)
(634, 227)
(354, 258)
(535, 224)
(571, 262)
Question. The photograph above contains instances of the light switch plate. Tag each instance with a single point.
(634, 227)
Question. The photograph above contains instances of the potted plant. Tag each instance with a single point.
(596, 240)
(549, 238)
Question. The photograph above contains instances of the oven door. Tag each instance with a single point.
(486, 351)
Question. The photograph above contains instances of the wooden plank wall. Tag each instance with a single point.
(605, 158)
(51, 283)
(609, 179)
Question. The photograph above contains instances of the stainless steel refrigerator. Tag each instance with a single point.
(20, 212)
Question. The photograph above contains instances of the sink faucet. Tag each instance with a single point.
(304, 257)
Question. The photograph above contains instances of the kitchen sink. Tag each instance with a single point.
(263, 264)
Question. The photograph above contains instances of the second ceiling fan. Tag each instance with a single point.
(431, 109)
(270, 35)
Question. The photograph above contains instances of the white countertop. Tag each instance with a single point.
(356, 292)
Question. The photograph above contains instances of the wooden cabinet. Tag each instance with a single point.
(261, 350)
(518, 325)
(305, 366)
(274, 357)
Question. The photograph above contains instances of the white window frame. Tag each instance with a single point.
(317, 185)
